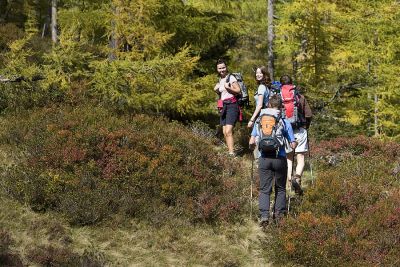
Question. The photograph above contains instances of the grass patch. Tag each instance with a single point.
(47, 239)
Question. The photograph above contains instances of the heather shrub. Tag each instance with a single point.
(7, 258)
(5, 242)
(201, 129)
(357, 146)
(88, 164)
(53, 256)
(49, 255)
(351, 217)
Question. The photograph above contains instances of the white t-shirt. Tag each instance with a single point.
(224, 93)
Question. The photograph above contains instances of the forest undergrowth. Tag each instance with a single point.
(69, 175)
(81, 187)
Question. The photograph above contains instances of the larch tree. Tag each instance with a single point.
(366, 60)
(53, 25)
(271, 39)
(305, 34)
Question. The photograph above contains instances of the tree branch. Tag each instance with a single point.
(343, 88)
(20, 79)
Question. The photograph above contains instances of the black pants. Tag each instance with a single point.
(270, 168)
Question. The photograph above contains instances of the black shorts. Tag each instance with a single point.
(229, 114)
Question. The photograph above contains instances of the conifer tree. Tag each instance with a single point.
(54, 35)
(368, 56)
(304, 34)
(271, 38)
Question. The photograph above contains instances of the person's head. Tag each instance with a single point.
(285, 79)
(222, 68)
(275, 102)
(262, 76)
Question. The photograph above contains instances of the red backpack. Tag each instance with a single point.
(290, 99)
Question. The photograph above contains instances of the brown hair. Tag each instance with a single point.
(275, 101)
(285, 79)
(267, 79)
(220, 61)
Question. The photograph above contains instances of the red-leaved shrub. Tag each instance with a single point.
(89, 163)
(351, 216)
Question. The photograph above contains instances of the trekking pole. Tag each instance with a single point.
(251, 189)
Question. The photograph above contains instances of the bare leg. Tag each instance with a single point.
(296, 181)
(289, 165)
(300, 163)
(228, 133)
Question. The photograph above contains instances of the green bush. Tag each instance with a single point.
(351, 217)
(89, 164)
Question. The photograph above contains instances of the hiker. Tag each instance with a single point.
(269, 133)
(300, 126)
(227, 88)
(261, 96)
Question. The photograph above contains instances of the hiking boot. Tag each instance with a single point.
(264, 221)
(296, 183)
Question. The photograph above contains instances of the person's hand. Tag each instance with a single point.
(216, 88)
(227, 86)
(293, 145)
(252, 142)
(250, 124)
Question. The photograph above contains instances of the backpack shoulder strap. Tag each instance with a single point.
(228, 77)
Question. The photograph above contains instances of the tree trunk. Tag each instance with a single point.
(316, 47)
(53, 26)
(376, 128)
(271, 37)
(112, 43)
(294, 66)
(3, 9)
(43, 29)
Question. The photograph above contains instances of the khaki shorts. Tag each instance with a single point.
(302, 141)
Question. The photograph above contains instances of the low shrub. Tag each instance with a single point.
(49, 255)
(88, 164)
(7, 258)
(53, 256)
(357, 146)
(351, 217)
(5, 241)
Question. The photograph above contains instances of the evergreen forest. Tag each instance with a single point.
(111, 153)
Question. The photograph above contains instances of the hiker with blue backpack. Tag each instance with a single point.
(270, 133)
(261, 96)
(227, 89)
(299, 114)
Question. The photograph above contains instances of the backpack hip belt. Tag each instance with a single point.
(232, 100)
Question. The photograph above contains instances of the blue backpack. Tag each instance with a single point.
(275, 88)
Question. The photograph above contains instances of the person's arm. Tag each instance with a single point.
(254, 134)
(289, 134)
(216, 88)
(260, 99)
(232, 86)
